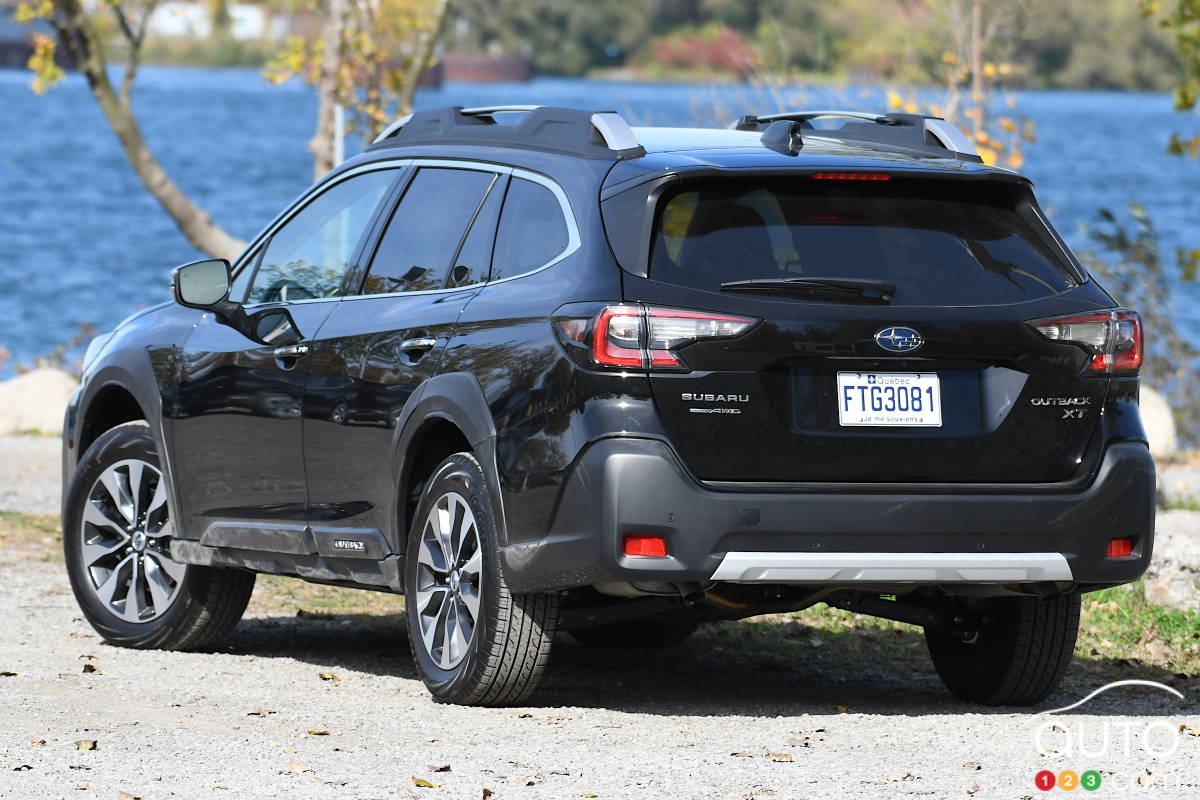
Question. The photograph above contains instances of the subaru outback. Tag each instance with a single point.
(538, 370)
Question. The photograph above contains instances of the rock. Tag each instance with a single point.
(35, 401)
(1173, 579)
(1158, 421)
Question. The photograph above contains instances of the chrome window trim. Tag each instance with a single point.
(285, 216)
(574, 242)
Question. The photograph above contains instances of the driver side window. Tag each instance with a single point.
(306, 257)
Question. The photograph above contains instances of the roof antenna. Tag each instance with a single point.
(783, 136)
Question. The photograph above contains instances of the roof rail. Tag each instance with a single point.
(933, 135)
(592, 134)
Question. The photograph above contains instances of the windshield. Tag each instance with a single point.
(938, 244)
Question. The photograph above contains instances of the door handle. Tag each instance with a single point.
(422, 343)
(291, 351)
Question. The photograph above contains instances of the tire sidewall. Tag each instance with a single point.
(126, 442)
(459, 473)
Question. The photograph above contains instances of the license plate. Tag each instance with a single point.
(889, 398)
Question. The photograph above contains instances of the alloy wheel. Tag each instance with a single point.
(449, 579)
(126, 536)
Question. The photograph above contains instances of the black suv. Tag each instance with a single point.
(559, 373)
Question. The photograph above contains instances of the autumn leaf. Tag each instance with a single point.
(38, 742)
(1189, 730)
(328, 676)
(318, 733)
(127, 796)
(443, 768)
(840, 709)
(89, 669)
(424, 784)
(779, 757)
(9, 674)
(87, 744)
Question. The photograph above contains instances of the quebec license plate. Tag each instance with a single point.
(889, 398)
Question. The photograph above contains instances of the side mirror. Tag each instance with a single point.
(201, 284)
(204, 285)
(274, 327)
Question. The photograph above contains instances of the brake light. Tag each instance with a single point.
(1113, 338)
(851, 176)
(633, 336)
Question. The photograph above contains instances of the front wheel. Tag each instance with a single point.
(117, 532)
(474, 642)
(1018, 655)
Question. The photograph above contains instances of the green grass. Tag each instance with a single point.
(1184, 504)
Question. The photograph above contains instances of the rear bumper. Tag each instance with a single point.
(855, 537)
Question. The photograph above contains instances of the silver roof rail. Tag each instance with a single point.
(804, 116)
(946, 134)
(611, 126)
(951, 136)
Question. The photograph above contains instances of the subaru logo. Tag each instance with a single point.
(899, 339)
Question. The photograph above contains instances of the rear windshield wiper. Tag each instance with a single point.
(847, 290)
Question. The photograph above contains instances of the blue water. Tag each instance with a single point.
(82, 242)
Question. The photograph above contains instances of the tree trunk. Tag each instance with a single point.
(427, 40)
(83, 42)
(977, 66)
(322, 144)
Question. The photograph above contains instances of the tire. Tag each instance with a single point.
(1019, 656)
(638, 634)
(454, 582)
(175, 606)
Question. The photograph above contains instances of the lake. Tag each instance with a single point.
(82, 242)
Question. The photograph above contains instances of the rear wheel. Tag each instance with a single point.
(117, 533)
(1017, 657)
(474, 641)
(640, 634)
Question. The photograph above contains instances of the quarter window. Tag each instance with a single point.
(532, 230)
(426, 230)
(307, 257)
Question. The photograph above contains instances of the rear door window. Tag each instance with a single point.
(533, 231)
(426, 230)
(939, 245)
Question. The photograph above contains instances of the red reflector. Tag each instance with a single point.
(851, 176)
(639, 545)
(1120, 548)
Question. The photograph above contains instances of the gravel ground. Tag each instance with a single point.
(700, 721)
(30, 477)
(697, 722)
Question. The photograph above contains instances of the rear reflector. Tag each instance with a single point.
(851, 176)
(1113, 338)
(637, 544)
(1120, 548)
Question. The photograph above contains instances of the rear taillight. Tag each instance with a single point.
(1113, 338)
(637, 336)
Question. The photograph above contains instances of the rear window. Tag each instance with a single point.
(939, 245)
